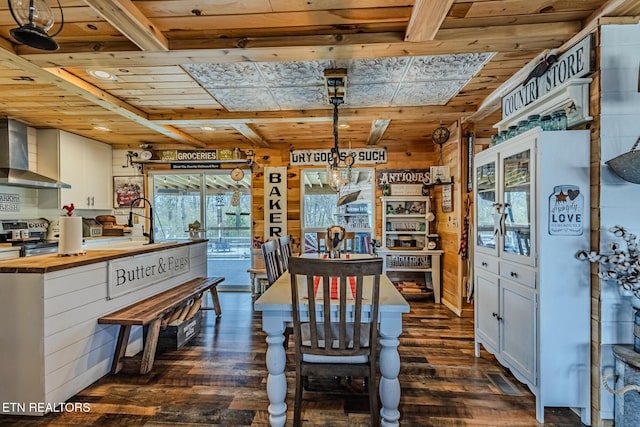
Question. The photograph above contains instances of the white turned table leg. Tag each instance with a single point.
(390, 329)
(276, 361)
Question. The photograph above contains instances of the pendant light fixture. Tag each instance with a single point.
(336, 81)
(35, 18)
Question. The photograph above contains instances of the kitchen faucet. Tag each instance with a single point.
(150, 218)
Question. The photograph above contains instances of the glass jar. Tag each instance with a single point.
(503, 136)
(546, 122)
(533, 121)
(494, 140)
(511, 132)
(559, 119)
(522, 127)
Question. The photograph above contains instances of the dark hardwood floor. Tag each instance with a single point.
(220, 379)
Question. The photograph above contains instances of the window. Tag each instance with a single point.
(320, 208)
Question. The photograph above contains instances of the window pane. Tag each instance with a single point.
(321, 210)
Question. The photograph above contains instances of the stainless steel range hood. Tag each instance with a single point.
(14, 159)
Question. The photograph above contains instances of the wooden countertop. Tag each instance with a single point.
(53, 262)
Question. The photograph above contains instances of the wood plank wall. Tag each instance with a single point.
(448, 224)
(401, 155)
(596, 318)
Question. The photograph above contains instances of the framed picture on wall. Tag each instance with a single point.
(440, 174)
(126, 189)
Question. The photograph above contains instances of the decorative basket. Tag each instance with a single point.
(627, 165)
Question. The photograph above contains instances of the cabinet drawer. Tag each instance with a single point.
(518, 273)
(488, 263)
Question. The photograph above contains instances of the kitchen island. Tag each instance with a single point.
(51, 345)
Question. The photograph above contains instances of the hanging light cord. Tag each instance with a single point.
(61, 20)
(335, 100)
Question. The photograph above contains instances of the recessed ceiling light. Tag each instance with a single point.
(344, 125)
(102, 128)
(101, 74)
(208, 128)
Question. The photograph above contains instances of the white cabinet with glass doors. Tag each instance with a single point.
(532, 297)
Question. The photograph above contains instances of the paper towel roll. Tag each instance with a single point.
(70, 235)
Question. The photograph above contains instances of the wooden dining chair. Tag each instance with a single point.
(349, 242)
(321, 237)
(284, 251)
(271, 261)
(339, 337)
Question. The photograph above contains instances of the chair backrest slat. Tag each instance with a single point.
(285, 251)
(349, 243)
(320, 239)
(271, 261)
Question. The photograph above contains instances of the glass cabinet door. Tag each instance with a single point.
(516, 205)
(486, 212)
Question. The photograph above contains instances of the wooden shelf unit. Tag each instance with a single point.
(405, 236)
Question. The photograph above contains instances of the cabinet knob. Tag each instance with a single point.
(513, 274)
(499, 318)
(494, 314)
(484, 264)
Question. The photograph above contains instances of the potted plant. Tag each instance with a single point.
(622, 267)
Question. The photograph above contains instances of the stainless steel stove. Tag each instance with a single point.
(35, 243)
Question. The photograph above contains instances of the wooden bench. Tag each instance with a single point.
(151, 312)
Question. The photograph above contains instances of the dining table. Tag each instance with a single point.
(276, 307)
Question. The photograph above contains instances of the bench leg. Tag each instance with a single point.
(216, 302)
(150, 345)
(121, 348)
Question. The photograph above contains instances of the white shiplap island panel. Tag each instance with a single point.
(52, 346)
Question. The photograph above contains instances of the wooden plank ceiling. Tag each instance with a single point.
(249, 69)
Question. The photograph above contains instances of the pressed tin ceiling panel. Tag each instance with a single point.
(379, 82)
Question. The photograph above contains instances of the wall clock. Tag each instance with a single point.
(237, 174)
(440, 135)
(146, 155)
